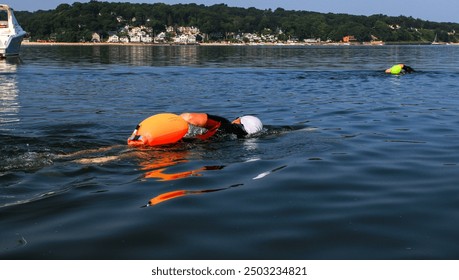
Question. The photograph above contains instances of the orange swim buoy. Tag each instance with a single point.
(160, 129)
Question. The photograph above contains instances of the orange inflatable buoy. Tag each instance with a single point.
(160, 129)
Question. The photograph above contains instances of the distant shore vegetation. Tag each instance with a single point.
(192, 23)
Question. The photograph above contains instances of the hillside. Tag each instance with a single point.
(78, 22)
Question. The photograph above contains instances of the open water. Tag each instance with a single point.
(352, 164)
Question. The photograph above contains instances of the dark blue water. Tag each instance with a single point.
(353, 163)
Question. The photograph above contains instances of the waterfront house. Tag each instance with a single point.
(113, 38)
(95, 38)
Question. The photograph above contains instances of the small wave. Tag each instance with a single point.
(27, 161)
(266, 173)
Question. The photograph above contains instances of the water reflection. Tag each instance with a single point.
(157, 163)
(9, 104)
(142, 55)
(181, 193)
(172, 162)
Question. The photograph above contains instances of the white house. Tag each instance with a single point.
(95, 38)
(182, 39)
(113, 39)
(147, 39)
(160, 38)
(124, 39)
(191, 39)
(185, 39)
(136, 39)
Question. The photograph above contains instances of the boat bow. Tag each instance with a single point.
(11, 33)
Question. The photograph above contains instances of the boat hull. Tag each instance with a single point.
(11, 33)
(13, 46)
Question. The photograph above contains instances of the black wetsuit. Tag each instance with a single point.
(226, 127)
(407, 69)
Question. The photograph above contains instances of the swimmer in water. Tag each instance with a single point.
(241, 127)
(169, 128)
(399, 69)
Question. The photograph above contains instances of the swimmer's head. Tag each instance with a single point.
(251, 124)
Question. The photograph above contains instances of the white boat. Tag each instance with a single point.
(11, 33)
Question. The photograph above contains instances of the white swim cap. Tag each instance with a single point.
(251, 124)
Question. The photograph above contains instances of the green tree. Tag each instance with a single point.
(76, 21)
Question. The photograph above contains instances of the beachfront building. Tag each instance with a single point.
(147, 39)
(311, 41)
(269, 38)
(185, 39)
(160, 38)
(140, 34)
(180, 35)
(114, 38)
(349, 39)
(95, 38)
(190, 30)
(124, 39)
(251, 38)
(293, 40)
(170, 29)
(135, 39)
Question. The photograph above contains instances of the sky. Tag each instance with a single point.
(433, 10)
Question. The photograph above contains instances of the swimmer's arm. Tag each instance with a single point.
(197, 119)
(408, 69)
(204, 120)
(88, 151)
(82, 157)
(97, 160)
(211, 122)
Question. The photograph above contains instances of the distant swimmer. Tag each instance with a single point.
(399, 69)
(168, 128)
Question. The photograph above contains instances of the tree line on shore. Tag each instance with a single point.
(77, 22)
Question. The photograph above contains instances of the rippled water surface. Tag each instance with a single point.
(352, 164)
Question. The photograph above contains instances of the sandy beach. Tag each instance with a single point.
(200, 44)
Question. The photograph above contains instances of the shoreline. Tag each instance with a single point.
(174, 44)
(25, 43)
